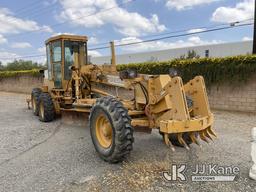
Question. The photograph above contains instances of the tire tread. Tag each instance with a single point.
(121, 124)
(49, 112)
(36, 92)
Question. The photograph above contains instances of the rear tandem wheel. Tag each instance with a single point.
(46, 108)
(35, 94)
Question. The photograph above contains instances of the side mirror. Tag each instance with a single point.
(42, 72)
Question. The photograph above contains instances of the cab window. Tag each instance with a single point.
(72, 49)
(56, 49)
(49, 66)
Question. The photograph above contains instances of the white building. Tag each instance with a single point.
(211, 50)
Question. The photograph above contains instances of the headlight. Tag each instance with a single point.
(128, 74)
(173, 72)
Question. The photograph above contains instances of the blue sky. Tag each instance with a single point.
(25, 25)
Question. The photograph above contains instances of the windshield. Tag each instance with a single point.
(72, 51)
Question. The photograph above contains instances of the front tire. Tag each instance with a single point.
(35, 94)
(111, 130)
(46, 108)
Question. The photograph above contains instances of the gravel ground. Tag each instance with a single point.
(36, 156)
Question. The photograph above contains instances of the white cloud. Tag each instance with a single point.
(93, 40)
(2, 39)
(242, 11)
(161, 45)
(94, 54)
(41, 50)
(125, 22)
(6, 57)
(21, 45)
(196, 30)
(46, 28)
(60, 33)
(11, 24)
(246, 39)
(41, 60)
(186, 4)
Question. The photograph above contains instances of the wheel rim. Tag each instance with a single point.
(33, 103)
(104, 132)
(41, 110)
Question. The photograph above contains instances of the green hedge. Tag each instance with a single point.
(215, 70)
(34, 72)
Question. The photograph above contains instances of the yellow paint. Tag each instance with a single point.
(160, 101)
(104, 132)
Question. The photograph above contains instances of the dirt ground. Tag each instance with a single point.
(36, 156)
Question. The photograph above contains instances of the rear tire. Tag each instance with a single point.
(35, 94)
(111, 130)
(46, 108)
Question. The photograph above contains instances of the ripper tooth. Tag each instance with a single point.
(193, 138)
(168, 142)
(211, 132)
(182, 142)
(202, 136)
(206, 133)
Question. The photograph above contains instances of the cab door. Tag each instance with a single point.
(56, 63)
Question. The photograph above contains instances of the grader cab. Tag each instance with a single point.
(120, 102)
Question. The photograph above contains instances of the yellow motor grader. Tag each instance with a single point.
(120, 102)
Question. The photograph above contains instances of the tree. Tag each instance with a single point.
(19, 65)
(190, 55)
